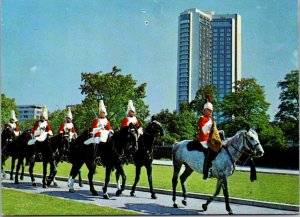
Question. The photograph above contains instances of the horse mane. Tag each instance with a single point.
(232, 140)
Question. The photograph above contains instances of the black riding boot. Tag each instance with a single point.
(205, 165)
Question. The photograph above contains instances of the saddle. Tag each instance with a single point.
(195, 145)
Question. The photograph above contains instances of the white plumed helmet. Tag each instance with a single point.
(13, 115)
(102, 107)
(45, 112)
(69, 113)
(208, 104)
(130, 106)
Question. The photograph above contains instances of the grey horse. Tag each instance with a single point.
(243, 142)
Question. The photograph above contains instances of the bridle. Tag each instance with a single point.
(250, 153)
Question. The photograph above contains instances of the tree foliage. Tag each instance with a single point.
(115, 89)
(198, 103)
(178, 126)
(288, 116)
(247, 107)
(7, 104)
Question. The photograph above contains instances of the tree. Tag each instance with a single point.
(198, 103)
(288, 116)
(115, 89)
(247, 107)
(7, 104)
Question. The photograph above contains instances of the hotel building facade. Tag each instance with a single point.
(209, 52)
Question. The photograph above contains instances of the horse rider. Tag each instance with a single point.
(68, 126)
(13, 123)
(101, 131)
(130, 118)
(205, 124)
(41, 128)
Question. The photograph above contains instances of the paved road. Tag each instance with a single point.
(142, 203)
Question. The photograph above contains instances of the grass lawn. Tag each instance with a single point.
(38, 204)
(268, 187)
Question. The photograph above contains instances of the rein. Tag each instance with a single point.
(250, 156)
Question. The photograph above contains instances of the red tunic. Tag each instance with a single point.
(62, 128)
(203, 121)
(36, 126)
(127, 120)
(97, 123)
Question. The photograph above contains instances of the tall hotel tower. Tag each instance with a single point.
(209, 52)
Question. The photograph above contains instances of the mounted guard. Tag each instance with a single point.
(208, 135)
(68, 126)
(41, 128)
(13, 123)
(130, 118)
(101, 131)
(66, 134)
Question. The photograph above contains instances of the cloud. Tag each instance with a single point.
(295, 58)
(259, 7)
(33, 69)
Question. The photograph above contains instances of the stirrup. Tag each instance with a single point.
(98, 161)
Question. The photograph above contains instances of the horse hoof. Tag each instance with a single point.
(44, 186)
(11, 178)
(153, 196)
(22, 177)
(94, 193)
(80, 184)
(105, 196)
(34, 184)
(230, 212)
(184, 202)
(175, 205)
(204, 207)
(132, 194)
(71, 190)
(118, 193)
(16, 182)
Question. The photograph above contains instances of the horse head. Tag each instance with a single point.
(127, 139)
(8, 134)
(154, 127)
(252, 143)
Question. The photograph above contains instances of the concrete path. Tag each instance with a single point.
(142, 203)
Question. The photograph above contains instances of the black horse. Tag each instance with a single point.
(43, 153)
(61, 146)
(144, 155)
(112, 153)
(23, 151)
(8, 149)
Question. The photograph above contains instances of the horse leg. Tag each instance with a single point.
(149, 174)
(176, 170)
(187, 172)
(31, 165)
(45, 164)
(120, 171)
(53, 172)
(79, 178)
(226, 195)
(13, 161)
(23, 167)
(136, 180)
(219, 184)
(107, 178)
(17, 172)
(73, 173)
(92, 167)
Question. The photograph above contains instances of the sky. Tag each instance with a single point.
(47, 44)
